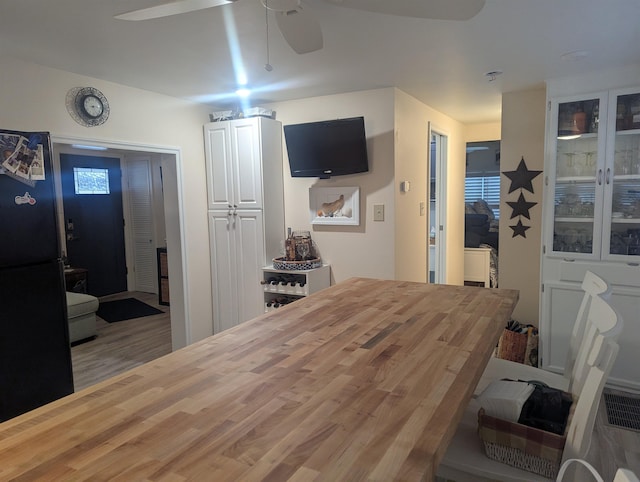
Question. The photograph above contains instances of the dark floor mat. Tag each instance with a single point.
(126, 309)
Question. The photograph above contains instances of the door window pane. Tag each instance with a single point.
(91, 181)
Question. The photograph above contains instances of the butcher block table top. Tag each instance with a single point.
(365, 380)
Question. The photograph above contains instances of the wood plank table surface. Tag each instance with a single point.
(365, 380)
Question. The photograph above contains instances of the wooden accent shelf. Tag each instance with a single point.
(365, 380)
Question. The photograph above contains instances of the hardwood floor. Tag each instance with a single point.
(126, 344)
(613, 447)
(123, 345)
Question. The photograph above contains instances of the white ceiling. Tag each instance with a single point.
(441, 63)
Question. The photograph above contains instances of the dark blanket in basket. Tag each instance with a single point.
(546, 408)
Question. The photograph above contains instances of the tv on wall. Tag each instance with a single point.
(327, 148)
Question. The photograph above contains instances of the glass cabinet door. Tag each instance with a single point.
(578, 177)
(622, 179)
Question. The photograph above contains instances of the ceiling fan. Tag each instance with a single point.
(300, 28)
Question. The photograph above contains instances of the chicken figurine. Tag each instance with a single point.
(330, 209)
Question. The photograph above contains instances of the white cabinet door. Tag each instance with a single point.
(237, 255)
(561, 302)
(574, 190)
(626, 371)
(219, 165)
(234, 164)
(250, 257)
(247, 156)
(621, 215)
(222, 245)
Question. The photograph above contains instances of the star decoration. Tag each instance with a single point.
(519, 229)
(521, 178)
(521, 207)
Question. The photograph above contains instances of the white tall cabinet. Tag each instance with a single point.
(592, 219)
(246, 213)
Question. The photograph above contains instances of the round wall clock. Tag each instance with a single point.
(87, 106)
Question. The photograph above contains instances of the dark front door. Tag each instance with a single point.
(94, 222)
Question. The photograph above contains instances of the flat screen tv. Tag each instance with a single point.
(327, 148)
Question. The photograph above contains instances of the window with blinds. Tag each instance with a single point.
(483, 187)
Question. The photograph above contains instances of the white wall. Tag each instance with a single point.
(32, 97)
(595, 82)
(365, 250)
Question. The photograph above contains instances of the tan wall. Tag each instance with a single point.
(523, 129)
(397, 129)
(367, 249)
(490, 131)
(411, 157)
(33, 98)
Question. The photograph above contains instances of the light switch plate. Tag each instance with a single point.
(378, 212)
(422, 208)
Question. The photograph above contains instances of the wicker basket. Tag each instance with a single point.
(520, 446)
(512, 346)
(281, 263)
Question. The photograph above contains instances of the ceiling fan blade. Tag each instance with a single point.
(300, 29)
(173, 8)
(435, 9)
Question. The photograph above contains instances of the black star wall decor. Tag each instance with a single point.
(521, 178)
(521, 207)
(519, 229)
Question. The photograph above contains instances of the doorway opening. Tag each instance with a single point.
(169, 162)
(482, 212)
(437, 206)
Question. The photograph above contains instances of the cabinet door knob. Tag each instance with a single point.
(608, 177)
(599, 177)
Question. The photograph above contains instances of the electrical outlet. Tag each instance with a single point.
(378, 212)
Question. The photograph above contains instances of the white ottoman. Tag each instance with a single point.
(81, 315)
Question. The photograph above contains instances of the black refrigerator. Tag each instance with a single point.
(35, 357)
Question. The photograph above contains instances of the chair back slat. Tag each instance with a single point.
(600, 361)
(593, 286)
(603, 320)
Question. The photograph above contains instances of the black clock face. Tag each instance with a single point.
(87, 106)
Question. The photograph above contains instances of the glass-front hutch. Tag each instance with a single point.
(595, 179)
(591, 220)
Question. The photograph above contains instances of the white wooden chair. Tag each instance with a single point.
(465, 459)
(625, 475)
(622, 475)
(588, 322)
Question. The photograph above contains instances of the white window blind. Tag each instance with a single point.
(487, 188)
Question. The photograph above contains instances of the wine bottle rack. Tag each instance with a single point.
(282, 287)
